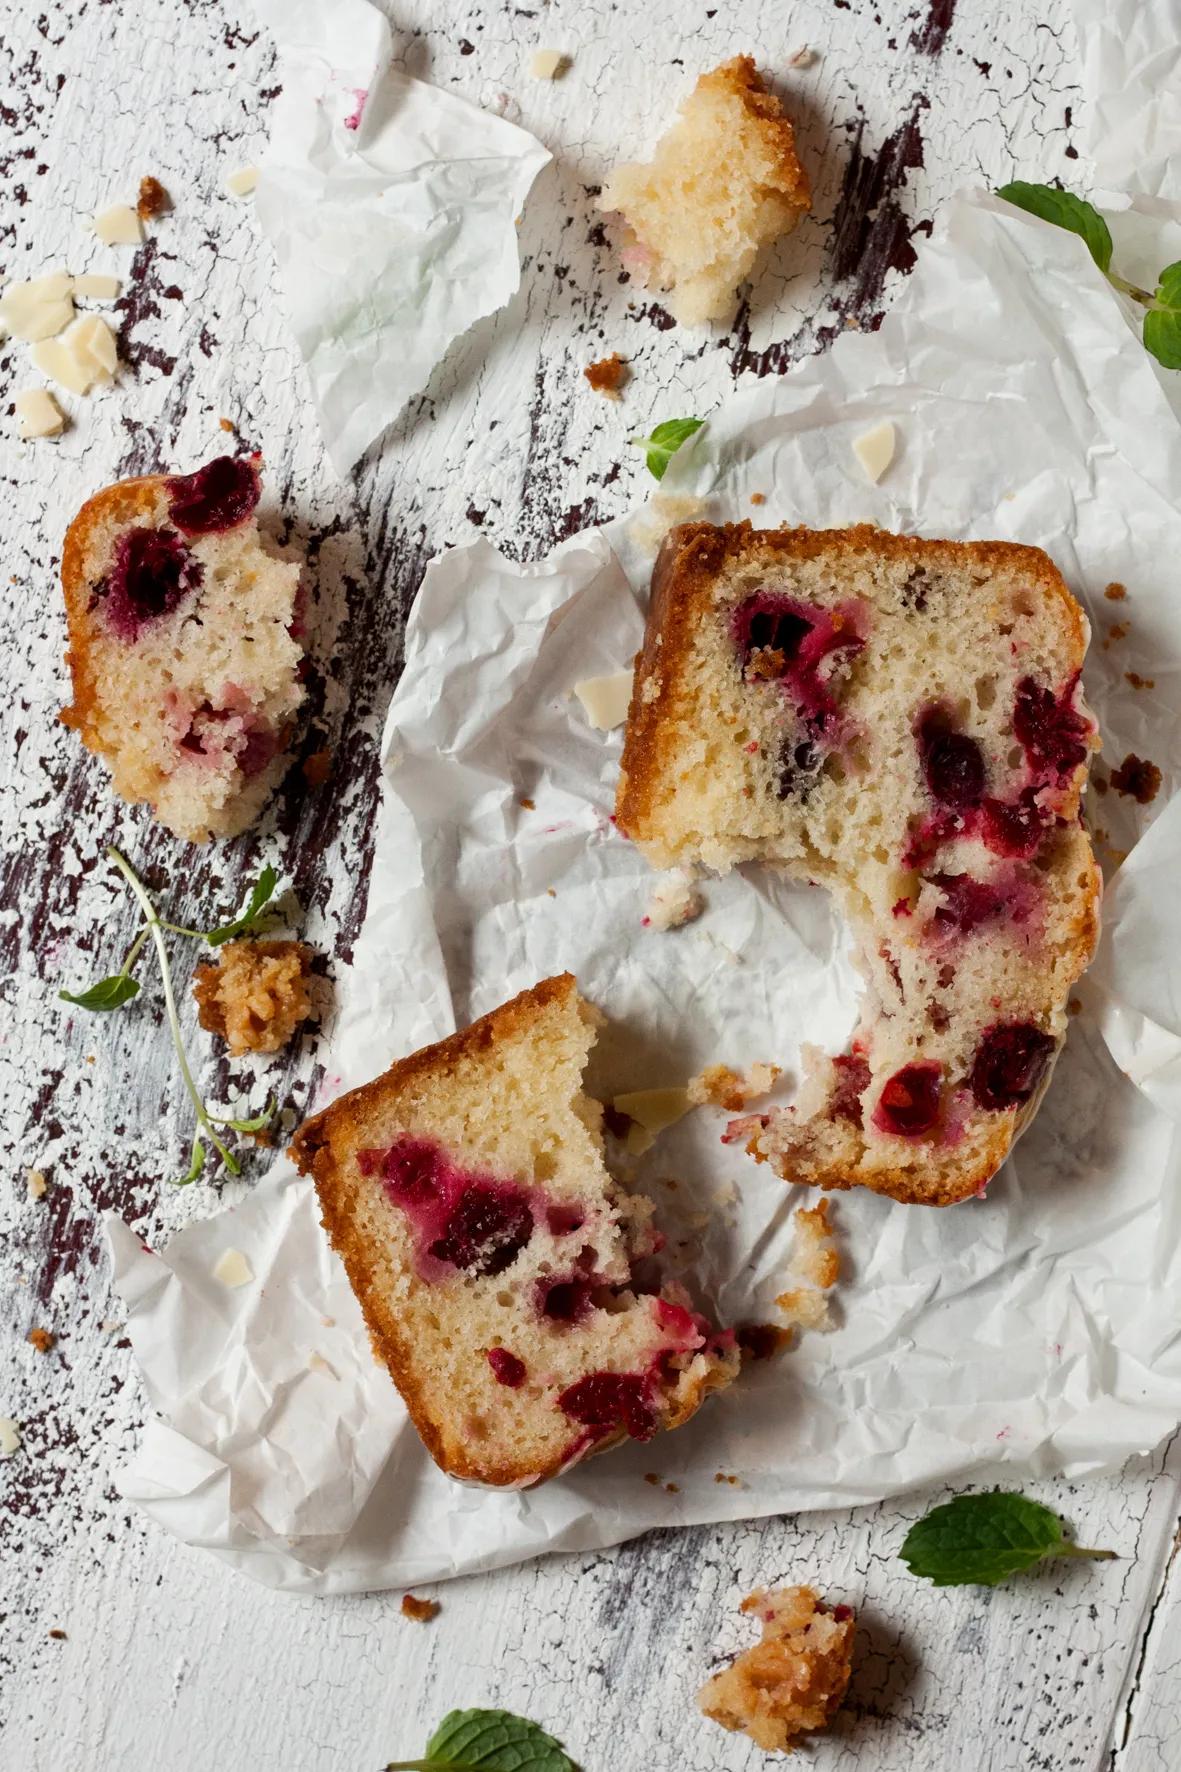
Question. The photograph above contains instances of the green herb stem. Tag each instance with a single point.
(134, 952)
(1133, 289)
(154, 927)
(1066, 1549)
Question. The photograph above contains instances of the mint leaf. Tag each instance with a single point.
(108, 993)
(1065, 211)
(489, 1741)
(1162, 323)
(983, 1539)
(664, 442)
(251, 920)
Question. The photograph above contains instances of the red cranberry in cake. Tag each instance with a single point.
(1009, 1064)
(1055, 733)
(507, 1282)
(152, 572)
(900, 723)
(218, 496)
(607, 1401)
(953, 763)
(910, 1102)
(506, 1368)
(184, 657)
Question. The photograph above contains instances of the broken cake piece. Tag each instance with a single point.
(902, 722)
(255, 994)
(792, 1681)
(723, 183)
(505, 1279)
(184, 650)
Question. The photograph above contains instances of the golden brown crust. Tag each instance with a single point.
(336, 1187)
(740, 77)
(118, 504)
(686, 567)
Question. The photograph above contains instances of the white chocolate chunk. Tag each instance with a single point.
(10, 1437)
(242, 182)
(96, 286)
(874, 449)
(92, 340)
(118, 226)
(548, 64)
(54, 358)
(605, 700)
(233, 1269)
(37, 309)
(40, 416)
(653, 1111)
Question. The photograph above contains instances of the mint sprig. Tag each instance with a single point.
(113, 992)
(978, 1540)
(489, 1741)
(664, 442)
(1162, 322)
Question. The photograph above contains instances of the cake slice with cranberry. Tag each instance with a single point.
(902, 722)
(506, 1282)
(184, 646)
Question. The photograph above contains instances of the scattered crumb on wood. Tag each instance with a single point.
(153, 199)
(1138, 778)
(422, 1610)
(608, 375)
(36, 1186)
(255, 995)
(41, 1339)
(227, 424)
(317, 768)
(59, 1636)
(1116, 592)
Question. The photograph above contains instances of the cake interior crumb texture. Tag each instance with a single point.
(184, 649)
(723, 182)
(792, 1681)
(506, 1281)
(901, 722)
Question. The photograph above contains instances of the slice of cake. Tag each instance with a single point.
(792, 1681)
(723, 183)
(505, 1280)
(902, 722)
(184, 646)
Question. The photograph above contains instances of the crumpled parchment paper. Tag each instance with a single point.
(391, 206)
(1131, 71)
(1032, 1331)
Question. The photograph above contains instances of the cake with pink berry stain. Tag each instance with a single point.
(509, 1286)
(901, 722)
(185, 648)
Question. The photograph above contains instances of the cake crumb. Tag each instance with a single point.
(41, 1339)
(762, 1341)
(526, 804)
(1116, 592)
(651, 1477)
(816, 1264)
(758, 498)
(675, 901)
(227, 424)
(721, 1086)
(608, 375)
(803, 58)
(255, 995)
(153, 199)
(36, 1186)
(1139, 682)
(59, 1636)
(727, 1477)
(792, 1681)
(317, 768)
(1137, 778)
(1074, 1007)
(422, 1610)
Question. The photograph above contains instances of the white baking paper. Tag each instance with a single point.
(1131, 73)
(1029, 1332)
(392, 209)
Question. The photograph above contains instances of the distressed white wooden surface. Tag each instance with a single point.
(169, 1660)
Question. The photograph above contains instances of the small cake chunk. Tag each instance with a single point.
(723, 183)
(184, 651)
(608, 375)
(505, 1279)
(902, 722)
(255, 994)
(793, 1680)
(152, 200)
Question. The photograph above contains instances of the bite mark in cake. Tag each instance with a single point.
(902, 722)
